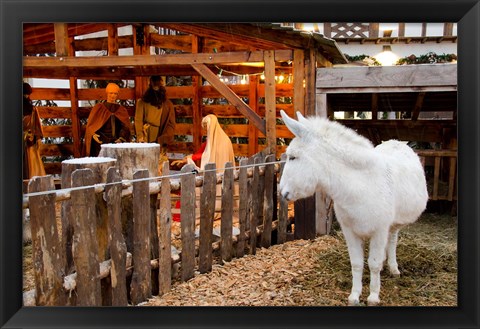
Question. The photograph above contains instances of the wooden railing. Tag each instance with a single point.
(441, 173)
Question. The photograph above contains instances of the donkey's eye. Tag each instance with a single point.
(291, 158)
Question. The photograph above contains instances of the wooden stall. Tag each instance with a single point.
(274, 67)
(412, 103)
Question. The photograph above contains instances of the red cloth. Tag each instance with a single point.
(197, 156)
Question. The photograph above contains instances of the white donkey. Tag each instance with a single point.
(376, 190)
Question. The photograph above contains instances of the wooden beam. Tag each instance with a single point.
(418, 105)
(177, 42)
(298, 81)
(61, 39)
(270, 101)
(321, 107)
(374, 106)
(151, 60)
(406, 76)
(112, 40)
(243, 34)
(253, 103)
(76, 125)
(310, 74)
(230, 96)
(196, 100)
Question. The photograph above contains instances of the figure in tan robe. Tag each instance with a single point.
(155, 116)
(32, 136)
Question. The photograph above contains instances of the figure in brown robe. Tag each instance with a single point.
(108, 122)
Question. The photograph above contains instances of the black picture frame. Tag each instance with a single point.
(13, 13)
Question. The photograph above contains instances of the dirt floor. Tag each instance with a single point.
(317, 273)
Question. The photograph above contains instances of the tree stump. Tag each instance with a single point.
(99, 167)
(131, 157)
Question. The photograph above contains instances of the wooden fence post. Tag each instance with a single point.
(164, 234)
(118, 248)
(268, 201)
(187, 201)
(227, 213)
(283, 210)
(48, 256)
(207, 213)
(99, 167)
(253, 200)
(242, 207)
(85, 247)
(261, 191)
(141, 285)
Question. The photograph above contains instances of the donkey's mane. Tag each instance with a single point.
(342, 141)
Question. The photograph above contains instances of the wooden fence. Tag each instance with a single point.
(441, 172)
(132, 276)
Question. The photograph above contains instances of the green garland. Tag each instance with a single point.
(428, 58)
(371, 61)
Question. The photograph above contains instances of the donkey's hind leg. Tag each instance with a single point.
(376, 257)
(355, 251)
(392, 252)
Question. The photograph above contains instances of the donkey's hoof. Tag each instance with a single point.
(373, 300)
(394, 271)
(353, 300)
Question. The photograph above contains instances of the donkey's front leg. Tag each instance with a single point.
(376, 258)
(355, 251)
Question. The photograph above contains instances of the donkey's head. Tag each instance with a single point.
(301, 169)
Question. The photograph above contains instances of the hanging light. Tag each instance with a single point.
(387, 57)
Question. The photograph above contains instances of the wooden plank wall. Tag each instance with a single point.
(177, 94)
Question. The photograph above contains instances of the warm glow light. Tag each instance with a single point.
(387, 57)
(280, 78)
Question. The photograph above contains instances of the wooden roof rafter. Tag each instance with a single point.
(137, 64)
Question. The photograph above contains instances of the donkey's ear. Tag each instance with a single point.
(300, 117)
(297, 128)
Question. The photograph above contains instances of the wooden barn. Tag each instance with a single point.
(275, 69)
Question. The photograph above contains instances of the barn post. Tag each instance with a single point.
(270, 101)
(323, 212)
(305, 64)
(76, 124)
(253, 103)
(196, 99)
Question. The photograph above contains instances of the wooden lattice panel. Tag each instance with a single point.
(350, 30)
